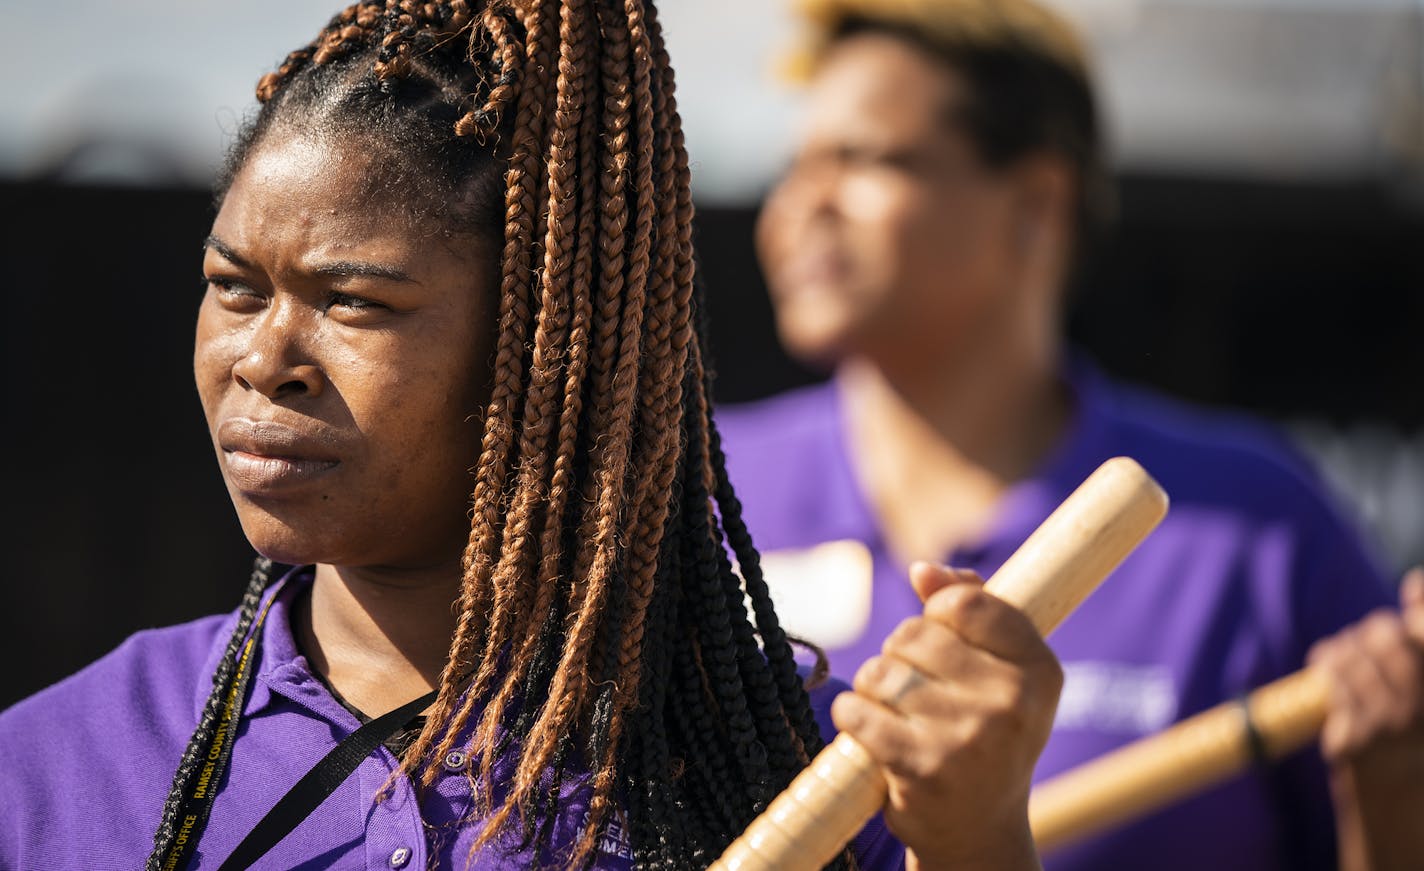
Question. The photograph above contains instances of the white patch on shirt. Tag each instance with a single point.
(1116, 697)
(614, 840)
(821, 593)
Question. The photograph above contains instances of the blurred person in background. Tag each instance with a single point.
(948, 183)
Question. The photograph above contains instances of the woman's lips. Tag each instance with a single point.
(257, 474)
(810, 273)
(264, 457)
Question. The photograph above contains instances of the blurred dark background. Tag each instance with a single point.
(1269, 257)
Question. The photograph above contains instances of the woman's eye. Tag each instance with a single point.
(228, 289)
(356, 303)
(891, 159)
(879, 158)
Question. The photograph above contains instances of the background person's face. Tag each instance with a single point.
(341, 359)
(886, 230)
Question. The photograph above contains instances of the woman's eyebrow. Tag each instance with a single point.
(225, 250)
(341, 268)
(334, 268)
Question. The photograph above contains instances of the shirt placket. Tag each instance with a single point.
(395, 831)
(392, 832)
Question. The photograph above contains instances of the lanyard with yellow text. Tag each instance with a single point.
(198, 803)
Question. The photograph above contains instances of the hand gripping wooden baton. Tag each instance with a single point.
(1200, 751)
(1056, 568)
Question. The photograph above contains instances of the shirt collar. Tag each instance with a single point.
(1086, 442)
(841, 498)
(276, 647)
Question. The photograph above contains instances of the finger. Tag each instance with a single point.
(987, 623)
(937, 650)
(1362, 700)
(1364, 671)
(1384, 641)
(927, 578)
(890, 739)
(1320, 651)
(1339, 727)
(1381, 638)
(900, 686)
(887, 680)
(1411, 604)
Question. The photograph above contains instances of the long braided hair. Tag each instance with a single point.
(603, 623)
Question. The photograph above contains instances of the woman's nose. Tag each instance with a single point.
(276, 363)
(809, 193)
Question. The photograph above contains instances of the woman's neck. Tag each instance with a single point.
(379, 639)
(936, 446)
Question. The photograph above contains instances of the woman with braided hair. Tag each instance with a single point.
(450, 357)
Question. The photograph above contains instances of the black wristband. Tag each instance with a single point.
(1255, 743)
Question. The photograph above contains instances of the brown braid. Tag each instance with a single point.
(570, 681)
(599, 618)
(612, 243)
(545, 408)
(480, 603)
(668, 332)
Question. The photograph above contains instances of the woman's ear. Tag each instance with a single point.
(1044, 201)
(1044, 215)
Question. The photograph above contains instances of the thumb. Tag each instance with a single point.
(928, 578)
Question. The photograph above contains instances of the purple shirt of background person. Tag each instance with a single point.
(1252, 564)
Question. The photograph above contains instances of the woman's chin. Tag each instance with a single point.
(818, 349)
(279, 544)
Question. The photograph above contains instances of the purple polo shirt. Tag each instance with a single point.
(1251, 565)
(86, 764)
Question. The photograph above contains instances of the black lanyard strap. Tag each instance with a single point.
(320, 782)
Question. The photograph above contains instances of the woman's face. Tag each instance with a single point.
(886, 230)
(342, 360)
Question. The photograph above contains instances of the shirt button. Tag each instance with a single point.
(456, 760)
(399, 857)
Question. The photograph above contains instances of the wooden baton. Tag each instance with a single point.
(1063, 561)
(1199, 752)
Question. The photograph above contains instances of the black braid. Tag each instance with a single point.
(693, 721)
(710, 571)
(789, 681)
(188, 768)
(603, 666)
(697, 725)
(791, 685)
(539, 826)
(655, 821)
(789, 700)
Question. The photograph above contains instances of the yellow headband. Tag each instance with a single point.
(950, 23)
